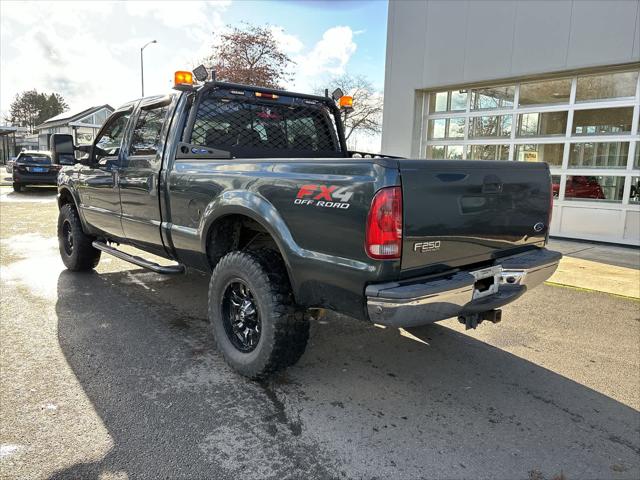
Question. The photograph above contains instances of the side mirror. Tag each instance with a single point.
(85, 158)
(62, 149)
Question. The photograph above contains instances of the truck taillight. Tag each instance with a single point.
(384, 224)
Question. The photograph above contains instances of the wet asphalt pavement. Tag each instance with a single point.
(113, 374)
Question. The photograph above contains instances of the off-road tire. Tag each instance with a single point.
(82, 256)
(17, 187)
(284, 328)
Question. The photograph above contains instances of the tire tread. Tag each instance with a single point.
(290, 326)
(84, 257)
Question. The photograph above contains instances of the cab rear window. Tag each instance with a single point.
(253, 128)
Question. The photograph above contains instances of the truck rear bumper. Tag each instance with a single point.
(412, 304)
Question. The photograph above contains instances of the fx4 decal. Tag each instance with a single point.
(327, 196)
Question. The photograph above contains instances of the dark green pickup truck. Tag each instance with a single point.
(257, 186)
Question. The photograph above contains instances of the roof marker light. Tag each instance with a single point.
(183, 80)
(346, 102)
(270, 96)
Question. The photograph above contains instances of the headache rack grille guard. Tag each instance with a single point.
(238, 136)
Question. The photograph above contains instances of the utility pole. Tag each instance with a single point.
(142, 63)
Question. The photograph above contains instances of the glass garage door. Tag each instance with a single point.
(584, 126)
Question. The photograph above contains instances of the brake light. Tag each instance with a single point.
(384, 224)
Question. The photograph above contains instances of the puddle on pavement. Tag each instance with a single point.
(7, 195)
(40, 266)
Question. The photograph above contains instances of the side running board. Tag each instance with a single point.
(141, 262)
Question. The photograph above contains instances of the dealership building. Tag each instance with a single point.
(538, 81)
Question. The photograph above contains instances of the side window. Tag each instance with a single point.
(146, 134)
(111, 137)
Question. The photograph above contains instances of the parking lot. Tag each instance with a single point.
(113, 374)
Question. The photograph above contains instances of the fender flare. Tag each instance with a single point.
(76, 201)
(71, 192)
(259, 209)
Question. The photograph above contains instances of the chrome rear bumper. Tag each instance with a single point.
(419, 303)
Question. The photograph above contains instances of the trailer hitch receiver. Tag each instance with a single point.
(472, 320)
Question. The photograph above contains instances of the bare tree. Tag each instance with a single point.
(366, 116)
(250, 55)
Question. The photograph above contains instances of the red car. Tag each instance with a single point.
(580, 186)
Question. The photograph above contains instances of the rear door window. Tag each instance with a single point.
(146, 138)
(111, 136)
(250, 128)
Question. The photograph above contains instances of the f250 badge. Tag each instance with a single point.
(327, 196)
(424, 247)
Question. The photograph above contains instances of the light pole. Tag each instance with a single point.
(142, 63)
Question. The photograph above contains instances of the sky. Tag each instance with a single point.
(90, 51)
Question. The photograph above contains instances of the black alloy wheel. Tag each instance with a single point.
(241, 317)
(67, 237)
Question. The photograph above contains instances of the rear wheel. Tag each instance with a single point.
(254, 321)
(76, 250)
(17, 187)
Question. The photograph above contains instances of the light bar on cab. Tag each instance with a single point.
(269, 96)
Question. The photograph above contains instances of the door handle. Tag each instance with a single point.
(492, 184)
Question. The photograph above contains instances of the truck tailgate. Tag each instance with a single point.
(462, 212)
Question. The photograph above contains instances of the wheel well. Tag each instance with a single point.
(237, 232)
(65, 198)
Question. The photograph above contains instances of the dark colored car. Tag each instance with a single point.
(36, 168)
(257, 186)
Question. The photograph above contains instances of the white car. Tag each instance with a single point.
(9, 166)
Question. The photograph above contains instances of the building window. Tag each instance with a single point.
(491, 126)
(450, 101)
(88, 120)
(608, 85)
(489, 152)
(634, 194)
(542, 124)
(492, 98)
(602, 121)
(599, 188)
(445, 152)
(546, 91)
(580, 125)
(599, 155)
(555, 185)
(446, 128)
(101, 116)
(547, 152)
(84, 135)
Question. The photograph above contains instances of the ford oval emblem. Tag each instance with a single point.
(538, 227)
